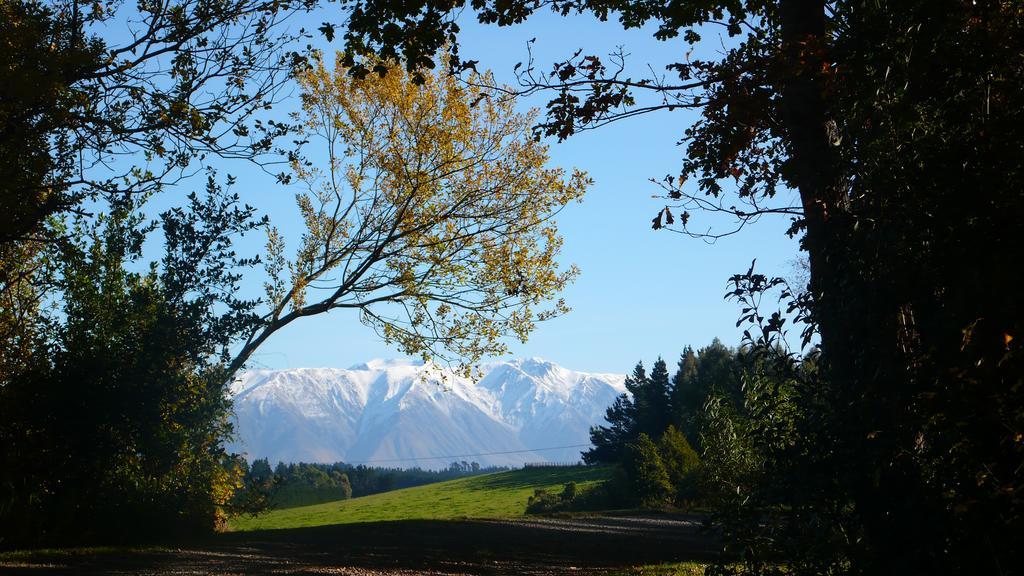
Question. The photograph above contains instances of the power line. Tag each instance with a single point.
(469, 455)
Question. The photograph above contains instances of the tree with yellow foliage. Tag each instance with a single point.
(429, 210)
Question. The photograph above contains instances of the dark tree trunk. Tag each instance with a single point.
(857, 341)
(866, 327)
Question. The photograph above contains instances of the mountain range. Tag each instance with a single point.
(404, 413)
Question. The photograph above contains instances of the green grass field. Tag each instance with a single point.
(500, 495)
(672, 569)
(446, 528)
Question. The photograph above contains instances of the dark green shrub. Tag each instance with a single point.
(681, 463)
(649, 479)
(543, 502)
(569, 492)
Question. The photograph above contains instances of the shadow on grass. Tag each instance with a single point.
(536, 477)
(546, 546)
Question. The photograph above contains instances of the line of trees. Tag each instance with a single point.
(301, 484)
(657, 400)
(654, 433)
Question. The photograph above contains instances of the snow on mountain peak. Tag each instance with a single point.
(397, 413)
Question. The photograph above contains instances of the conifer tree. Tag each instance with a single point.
(713, 370)
(609, 441)
(636, 381)
(683, 383)
(717, 372)
(260, 470)
(652, 401)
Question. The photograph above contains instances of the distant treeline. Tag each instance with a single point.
(301, 484)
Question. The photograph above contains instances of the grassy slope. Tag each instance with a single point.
(500, 495)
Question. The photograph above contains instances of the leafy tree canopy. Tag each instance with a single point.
(113, 425)
(430, 214)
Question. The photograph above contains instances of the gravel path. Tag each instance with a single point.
(534, 546)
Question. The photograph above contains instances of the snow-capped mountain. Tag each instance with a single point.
(390, 411)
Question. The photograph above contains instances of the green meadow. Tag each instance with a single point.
(499, 495)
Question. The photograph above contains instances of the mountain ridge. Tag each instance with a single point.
(404, 412)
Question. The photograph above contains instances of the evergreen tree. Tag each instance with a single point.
(636, 381)
(653, 404)
(609, 440)
(621, 416)
(713, 370)
(718, 372)
(260, 471)
(683, 387)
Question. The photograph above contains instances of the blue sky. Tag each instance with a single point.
(642, 293)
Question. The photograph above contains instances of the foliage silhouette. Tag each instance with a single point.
(899, 126)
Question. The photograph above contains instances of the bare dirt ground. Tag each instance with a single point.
(540, 546)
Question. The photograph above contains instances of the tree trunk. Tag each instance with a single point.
(805, 114)
(841, 299)
(860, 460)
